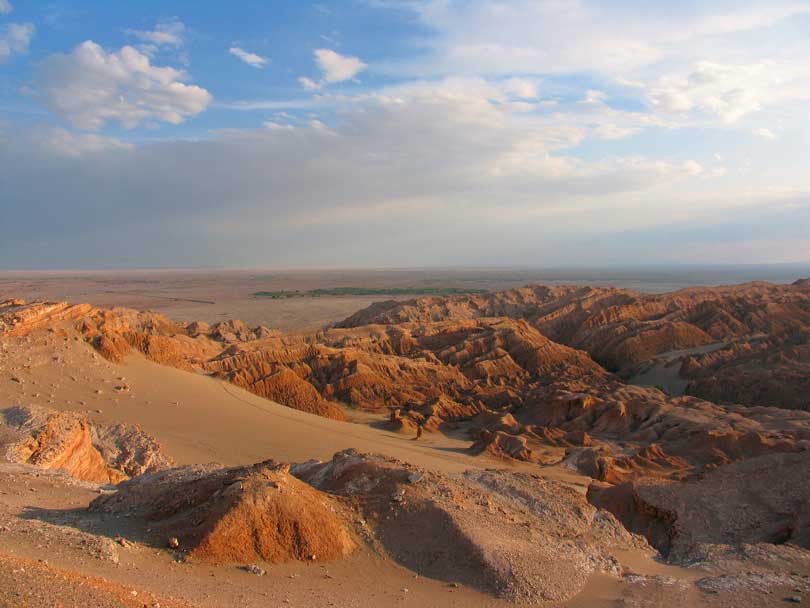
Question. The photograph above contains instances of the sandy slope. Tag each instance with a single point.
(199, 419)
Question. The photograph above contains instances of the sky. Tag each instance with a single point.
(403, 133)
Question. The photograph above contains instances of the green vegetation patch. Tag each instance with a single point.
(368, 291)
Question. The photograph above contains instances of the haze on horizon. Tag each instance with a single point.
(413, 133)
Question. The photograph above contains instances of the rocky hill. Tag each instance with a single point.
(518, 369)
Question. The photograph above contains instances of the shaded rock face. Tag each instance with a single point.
(765, 371)
(521, 536)
(760, 500)
(437, 375)
(127, 448)
(65, 440)
(238, 514)
(504, 445)
(649, 461)
(767, 328)
(375, 368)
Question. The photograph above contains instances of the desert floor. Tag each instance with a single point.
(53, 553)
(217, 295)
(200, 419)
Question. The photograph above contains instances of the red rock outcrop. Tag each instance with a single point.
(686, 428)
(503, 445)
(620, 328)
(66, 440)
(757, 372)
(649, 461)
(524, 354)
(240, 514)
(18, 318)
(286, 387)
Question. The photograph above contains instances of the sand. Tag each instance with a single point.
(201, 419)
(664, 370)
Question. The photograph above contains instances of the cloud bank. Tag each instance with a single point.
(538, 132)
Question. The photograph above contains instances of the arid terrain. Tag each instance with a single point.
(541, 444)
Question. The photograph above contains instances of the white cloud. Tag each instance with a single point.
(166, 33)
(277, 126)
(444, 162)
(90, 87)
(729, 91)
(522, 88)
(753, 17)
(612, 131)
(5, 7)
(764, 133)
(257, 61)
(495, 38)
(337, 67)
(593, 96)
(15, 38)
(309, 84)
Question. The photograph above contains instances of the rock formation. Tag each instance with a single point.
(66, 440)
(760, 500)
(620, 329)
(521, 369)
(523, 537)
(235, 515)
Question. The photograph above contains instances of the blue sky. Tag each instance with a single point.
(403, 133)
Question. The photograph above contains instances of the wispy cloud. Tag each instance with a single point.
(252, 59)
(15, 38)
(165, 33)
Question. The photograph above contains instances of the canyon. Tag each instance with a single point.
(517, 445)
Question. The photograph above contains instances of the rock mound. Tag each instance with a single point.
(66, 440)
(503, 445)
(761, 500)
(649, 461)
(521, 536)
(239, 514)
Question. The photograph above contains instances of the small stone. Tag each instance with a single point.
(174, 542)
(254, 569)
(414, 477)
